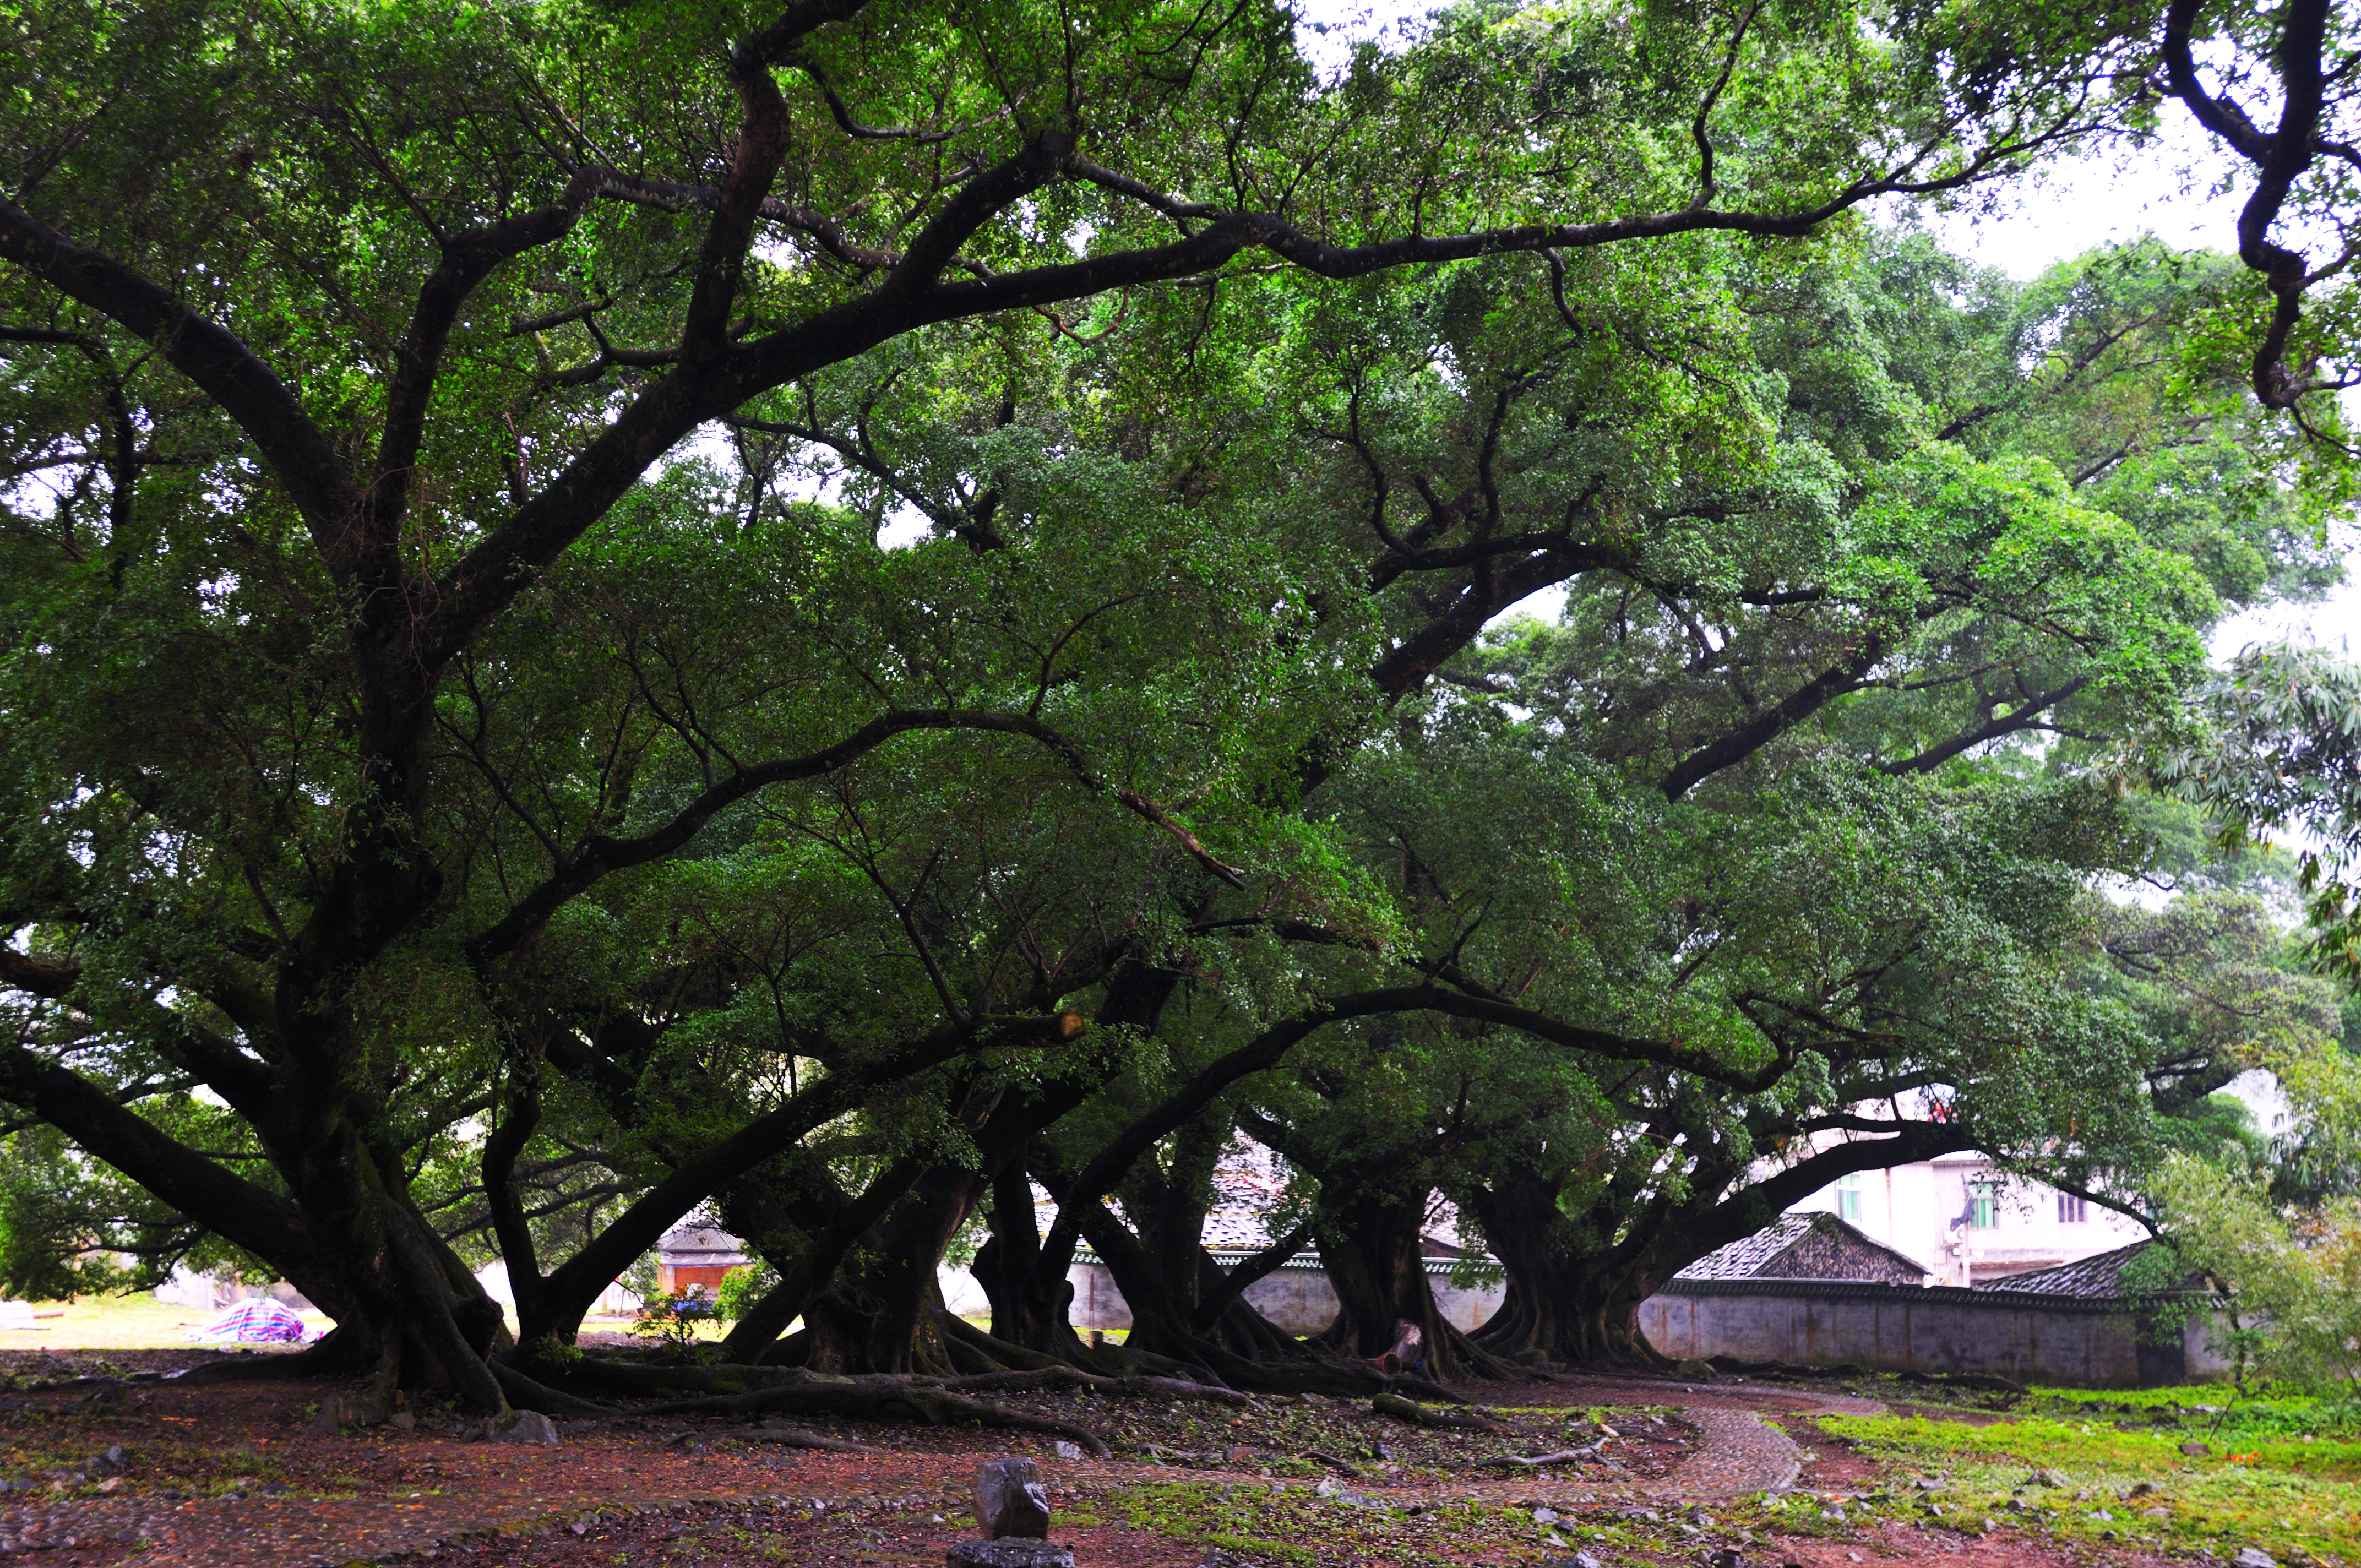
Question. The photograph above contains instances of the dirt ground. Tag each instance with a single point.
(132, 1468)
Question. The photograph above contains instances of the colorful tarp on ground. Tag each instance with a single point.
(261, 1320)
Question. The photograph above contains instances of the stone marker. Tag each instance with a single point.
(1011, 1500)
(1010, 1552)
(1012, 1509)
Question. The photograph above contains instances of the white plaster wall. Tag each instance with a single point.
(1920, 1210)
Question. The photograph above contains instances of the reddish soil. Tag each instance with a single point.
(225, 1475)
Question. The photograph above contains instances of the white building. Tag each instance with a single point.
(1969, 1223)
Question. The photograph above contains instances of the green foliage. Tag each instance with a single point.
(69, 1225)
(742, 1289)
(669, 1321)
(2281, 755)
(622, 791)
(2293, 1277)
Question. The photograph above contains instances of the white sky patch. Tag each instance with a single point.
(1328, 31)
(904, 527)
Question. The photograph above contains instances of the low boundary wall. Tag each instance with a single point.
(1901, 1328)
(1295, 1296)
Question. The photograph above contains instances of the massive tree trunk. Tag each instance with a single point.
(1566, 1301)
(1371, 1245)
(883, 1313)
(1027, 1310)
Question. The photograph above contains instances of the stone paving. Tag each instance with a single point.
(1736, 1455)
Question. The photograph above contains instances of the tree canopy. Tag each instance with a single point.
(831, 612)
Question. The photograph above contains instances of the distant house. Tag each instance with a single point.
(1808, 1246)
(694, 1257)
(1970, 1220)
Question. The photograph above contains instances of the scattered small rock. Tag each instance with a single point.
(2253, 1557)
(1069, 1450)
(520, 1426)
(335, 1416)
(2047, 1478)
(2196, 1449)
(1546, 1516)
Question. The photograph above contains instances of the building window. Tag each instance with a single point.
(2073, 1211)
(1984, 1206)
(1849, 1196)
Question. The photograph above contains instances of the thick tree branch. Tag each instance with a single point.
(248, 391)
(1738, 744)
(2025, 716)
(575, 1284)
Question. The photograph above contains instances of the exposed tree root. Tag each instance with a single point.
(527, 1395)
(878, 1398)
(1518, 1461)
(336, 1352)
(985, 1353)
(640, 1380)
(1346, 1466)
(1349, 1379)
(1114, 1387)
(791, 1437)
(1403, 1409)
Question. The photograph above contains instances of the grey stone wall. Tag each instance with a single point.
(1894, 1328)
(1298, 1300)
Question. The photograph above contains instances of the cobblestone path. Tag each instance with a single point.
(1736, 1453)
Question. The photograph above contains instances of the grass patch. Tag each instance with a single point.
(2297, 1501)
(2260, 1410)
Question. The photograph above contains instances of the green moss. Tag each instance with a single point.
(2291, 1498)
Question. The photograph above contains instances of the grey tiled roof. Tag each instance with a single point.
(2096, 1278)
(1775, 1252)
(1743, 1259)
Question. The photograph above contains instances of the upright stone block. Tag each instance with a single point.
(1011, 1501)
